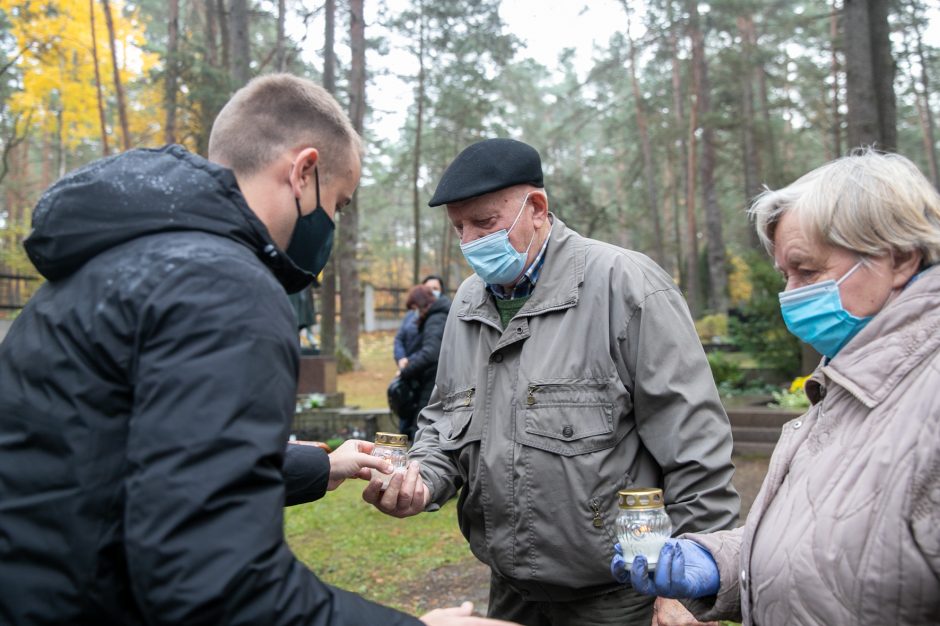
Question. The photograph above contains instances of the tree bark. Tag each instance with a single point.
(240, 47)
(223, 15)
(646, 147)
(172, 70)
(749, 151)
(119, 89)
(715, 245)
(416, 163)
(280, 54)
(349, 270)
(869, 73)
(924, 110)
(94, 56)
(834, 72)
(328, 283)
(678, 110)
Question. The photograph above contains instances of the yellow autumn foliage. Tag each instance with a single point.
(57, 87)
(739, 280)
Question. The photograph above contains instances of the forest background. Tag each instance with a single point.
(655, 139)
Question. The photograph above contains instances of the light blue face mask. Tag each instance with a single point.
(493, 258)
(815, 314)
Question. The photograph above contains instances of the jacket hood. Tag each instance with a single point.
(140, 193)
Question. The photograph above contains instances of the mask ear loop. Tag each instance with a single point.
(850, 272)
(519, 214)
(316, 178)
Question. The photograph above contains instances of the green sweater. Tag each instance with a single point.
(508, 308)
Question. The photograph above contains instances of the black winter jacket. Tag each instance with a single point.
(146, 392)
(422, 363)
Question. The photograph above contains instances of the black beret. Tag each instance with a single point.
(488, 166)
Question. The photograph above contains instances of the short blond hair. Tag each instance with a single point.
(277, 112)
(868, 202)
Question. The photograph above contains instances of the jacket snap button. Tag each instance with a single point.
(519, 330)
(567, 431)
(498, 358)
(797, 424)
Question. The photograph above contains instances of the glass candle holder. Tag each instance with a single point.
(642, 524)
(393, 448)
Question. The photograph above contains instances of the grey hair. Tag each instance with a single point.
(867, 202)
(277, 112)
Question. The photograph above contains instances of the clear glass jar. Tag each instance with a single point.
(642, 524)
(394, 448)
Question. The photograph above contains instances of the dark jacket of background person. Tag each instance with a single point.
(146, 393)
(422, 361)
(406, 339)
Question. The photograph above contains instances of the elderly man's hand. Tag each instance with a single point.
(405, 496)
(668, 612)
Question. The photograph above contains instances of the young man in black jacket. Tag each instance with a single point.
(146, 390)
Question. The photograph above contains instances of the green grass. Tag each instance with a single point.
(350, 544)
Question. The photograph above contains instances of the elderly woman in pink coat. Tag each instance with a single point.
(846, 527)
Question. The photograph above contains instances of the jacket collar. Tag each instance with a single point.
(558, 285)
(895, 342)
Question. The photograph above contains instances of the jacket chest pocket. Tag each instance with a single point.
(568, 419)
(458, 429)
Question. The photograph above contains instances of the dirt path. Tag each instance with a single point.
(452, 584)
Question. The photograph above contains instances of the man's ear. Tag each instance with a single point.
(302, 169)
(539, 201)
(905, 265)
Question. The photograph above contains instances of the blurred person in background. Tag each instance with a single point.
(407, 336)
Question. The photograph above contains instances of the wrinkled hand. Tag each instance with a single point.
(460, 616)
(405, 496)
(685, 570)
(668, 612)
(353, 460)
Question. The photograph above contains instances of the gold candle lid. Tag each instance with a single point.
(391, 439)
(641, 498)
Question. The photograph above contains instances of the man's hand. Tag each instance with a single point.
(684, 570)
(668, 612)
(460, 616)
(353, 460)
(405, 496)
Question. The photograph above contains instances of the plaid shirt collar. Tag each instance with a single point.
(526, 285)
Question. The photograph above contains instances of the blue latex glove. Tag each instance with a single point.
(685, 570)
(618, 567)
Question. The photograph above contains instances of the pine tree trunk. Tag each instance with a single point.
(280, 54)
(328, 282)
(646, 147)
(717, 261)
(172, 70)
(119, 89)
(416, 163)
(869, 70)
(240, 46)
(681, 159)
(223, 14)
(749, 152)
(835, 73)
(926, 113)
(94, 56)
(349, 271)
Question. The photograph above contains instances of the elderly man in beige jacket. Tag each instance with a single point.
(845, 527)
(570, 369)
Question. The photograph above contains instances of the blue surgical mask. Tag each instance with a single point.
(493, 258)
(815, 314)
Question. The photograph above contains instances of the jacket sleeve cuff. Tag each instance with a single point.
(306, 473)
(725, 548)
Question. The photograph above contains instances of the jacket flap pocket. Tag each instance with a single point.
(568, 418)
(458, 411)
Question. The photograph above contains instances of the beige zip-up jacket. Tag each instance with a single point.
(846, 527)
(599, 383)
